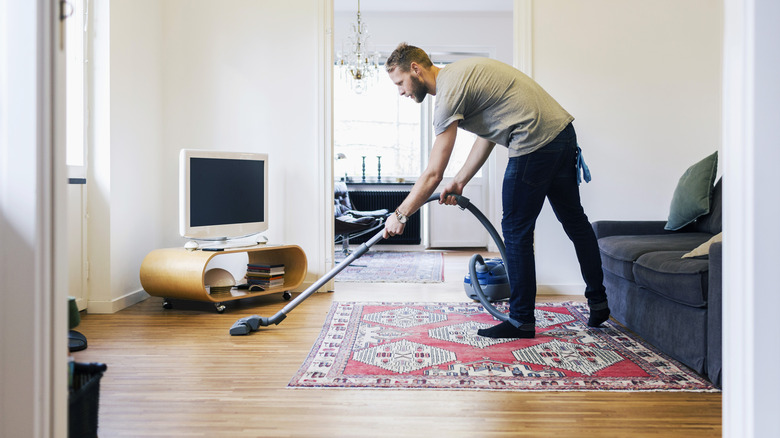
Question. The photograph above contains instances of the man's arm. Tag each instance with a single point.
(428, 181)
(480, 152)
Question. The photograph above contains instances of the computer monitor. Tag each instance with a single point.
(222, 195)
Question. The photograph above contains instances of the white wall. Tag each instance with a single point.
(185, 74)
(137, 165)
(125, 157)
(642, 80)
(431, 31)
(243, 77)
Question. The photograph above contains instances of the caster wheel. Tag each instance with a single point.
(220, 307)
(286, 296)
(167, 304)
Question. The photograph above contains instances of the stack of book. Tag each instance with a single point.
(262, 276)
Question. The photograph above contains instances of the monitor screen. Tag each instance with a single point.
(226, 191)
(223, 195)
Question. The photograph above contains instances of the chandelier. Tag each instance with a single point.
(359, 66)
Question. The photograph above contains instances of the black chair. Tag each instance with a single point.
(351, 223)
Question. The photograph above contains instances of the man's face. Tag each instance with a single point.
(409, 84)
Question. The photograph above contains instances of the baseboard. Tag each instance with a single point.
(560, 289)
(310, 280)
(117, 304)
(127, 300)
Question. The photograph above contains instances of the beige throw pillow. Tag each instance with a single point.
(704, 248)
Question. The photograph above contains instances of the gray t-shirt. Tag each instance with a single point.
(499, 103)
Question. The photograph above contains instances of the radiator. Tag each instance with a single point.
(374, 200)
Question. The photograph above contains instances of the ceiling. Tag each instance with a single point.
(423, 5)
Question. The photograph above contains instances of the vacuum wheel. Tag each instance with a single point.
(220, 307)
(167, 304)
(286, 296)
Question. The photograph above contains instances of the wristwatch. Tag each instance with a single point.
(402, 218)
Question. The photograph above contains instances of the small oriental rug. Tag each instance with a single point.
(435, 346)
(394, 267)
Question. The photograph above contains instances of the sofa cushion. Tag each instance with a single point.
(618, 253)
(681, 280)
(693, 195)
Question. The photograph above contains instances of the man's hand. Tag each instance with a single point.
(450, 189)
(480, 152)
(393, 227)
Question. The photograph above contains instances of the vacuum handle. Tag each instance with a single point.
(381, 234)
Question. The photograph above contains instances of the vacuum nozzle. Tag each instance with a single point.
(245, 325)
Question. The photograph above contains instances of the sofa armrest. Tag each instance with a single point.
(714, 314)
(628, 228)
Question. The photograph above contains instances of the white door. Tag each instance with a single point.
(449, 226)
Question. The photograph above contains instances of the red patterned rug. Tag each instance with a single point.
(435, 346)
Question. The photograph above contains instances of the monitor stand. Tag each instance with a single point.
(226, 243)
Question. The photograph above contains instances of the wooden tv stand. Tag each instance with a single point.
(179, 273)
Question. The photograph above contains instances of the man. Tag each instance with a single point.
(501, 105)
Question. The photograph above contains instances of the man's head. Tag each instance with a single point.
(411, 70)
(404, 55)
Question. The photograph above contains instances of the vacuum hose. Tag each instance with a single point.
(249, 324)
(464, 203)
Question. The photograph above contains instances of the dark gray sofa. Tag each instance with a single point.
(674, 303)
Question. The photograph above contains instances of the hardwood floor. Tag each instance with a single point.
(178, 372)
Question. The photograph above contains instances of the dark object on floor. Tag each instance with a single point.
(76, 341)
(672, 302)
(84, 399)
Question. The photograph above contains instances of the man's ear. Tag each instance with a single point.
(414, 68)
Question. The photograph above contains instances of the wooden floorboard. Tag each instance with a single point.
(178, 372)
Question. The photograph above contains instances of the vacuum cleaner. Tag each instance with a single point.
(493, 280)
(252, 323)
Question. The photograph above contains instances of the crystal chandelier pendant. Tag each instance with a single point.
(358, 66)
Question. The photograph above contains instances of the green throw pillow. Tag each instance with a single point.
(693, 194)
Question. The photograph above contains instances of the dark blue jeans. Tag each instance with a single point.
(548, 173)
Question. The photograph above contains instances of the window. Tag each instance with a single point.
(376, 123)
(380, 134)
(75, 90)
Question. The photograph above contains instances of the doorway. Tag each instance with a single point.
(467, 29)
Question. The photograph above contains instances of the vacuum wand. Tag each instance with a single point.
(362, 249)
(249, 324)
